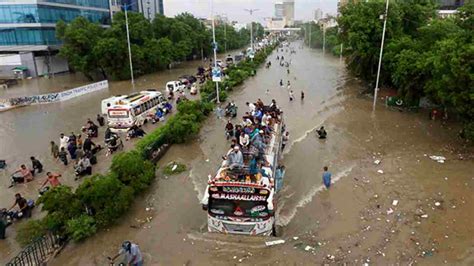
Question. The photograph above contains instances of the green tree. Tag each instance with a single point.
(79, 38)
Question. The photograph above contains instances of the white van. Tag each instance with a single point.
(174, 86)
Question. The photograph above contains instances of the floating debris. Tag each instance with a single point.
(275, 242)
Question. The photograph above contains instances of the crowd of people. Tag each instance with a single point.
(245, 160)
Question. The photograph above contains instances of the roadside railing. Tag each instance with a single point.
(38, 252)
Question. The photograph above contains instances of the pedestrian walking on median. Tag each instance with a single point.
(326, 177)
(219, 112)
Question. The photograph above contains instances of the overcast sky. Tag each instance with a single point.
(234, 8)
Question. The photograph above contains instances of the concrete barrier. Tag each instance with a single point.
(7, 104)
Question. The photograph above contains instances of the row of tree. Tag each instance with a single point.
(92, 49)
(315, 36)
(424, 55)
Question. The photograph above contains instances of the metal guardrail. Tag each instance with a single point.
(37, 252)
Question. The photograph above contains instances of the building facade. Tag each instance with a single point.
(318, 14)
(289, 12)
(149, 8)
(28, 32)
(33, 22)
(279, 10)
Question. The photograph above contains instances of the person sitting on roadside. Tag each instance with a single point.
(52, 179)
(25, 175)
(83, 167)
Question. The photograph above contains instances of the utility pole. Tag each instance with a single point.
(129, 49)
(215, 49)
(251, 26)
(324, 38)
(309, 42)
(225, 37)
(380, 56)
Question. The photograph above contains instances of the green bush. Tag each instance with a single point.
(106, 196)
(132, 170)
(81, 227)
(29, 231)
(62, 200)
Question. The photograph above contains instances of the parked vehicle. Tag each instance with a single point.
(133, 110)
(175, 86)
(188, 78)
(229, 60)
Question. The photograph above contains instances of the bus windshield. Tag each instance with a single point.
(235, 208)
(118, 113)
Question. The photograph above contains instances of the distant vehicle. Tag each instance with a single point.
(219, 63)
(238, 58)
(189, 78)
(134, 109)
(106, 103)
(229, 60)
(174, 86)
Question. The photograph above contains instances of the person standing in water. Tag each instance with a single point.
(291, 95)
(326, 177)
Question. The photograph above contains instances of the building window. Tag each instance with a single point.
(46, 14)
(28, 36)
(87, 3)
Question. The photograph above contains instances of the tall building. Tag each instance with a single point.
(318, 14)
(149, 8)
(27, 31)
(284, 15)
(289, 12)
(279, 10)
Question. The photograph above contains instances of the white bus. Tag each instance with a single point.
(106, 103)
(133, 109)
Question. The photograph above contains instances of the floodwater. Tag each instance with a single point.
(354, 222)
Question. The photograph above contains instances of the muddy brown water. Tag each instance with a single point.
(354, 222)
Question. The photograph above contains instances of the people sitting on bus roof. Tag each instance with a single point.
(235, 159)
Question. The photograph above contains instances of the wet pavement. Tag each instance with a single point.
(356, 221)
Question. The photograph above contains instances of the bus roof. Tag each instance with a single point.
(226, 176)
(137, 98)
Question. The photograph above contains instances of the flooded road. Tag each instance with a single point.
(355, 222)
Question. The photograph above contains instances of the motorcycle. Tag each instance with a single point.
(231, 111)
(113, 144)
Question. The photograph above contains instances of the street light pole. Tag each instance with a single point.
(129, 48)
(309, 41)
(251, 26)
(214, 48)
(380, 56)
(324, 38)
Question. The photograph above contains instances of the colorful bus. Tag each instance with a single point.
(242, 200)
(133, 109)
